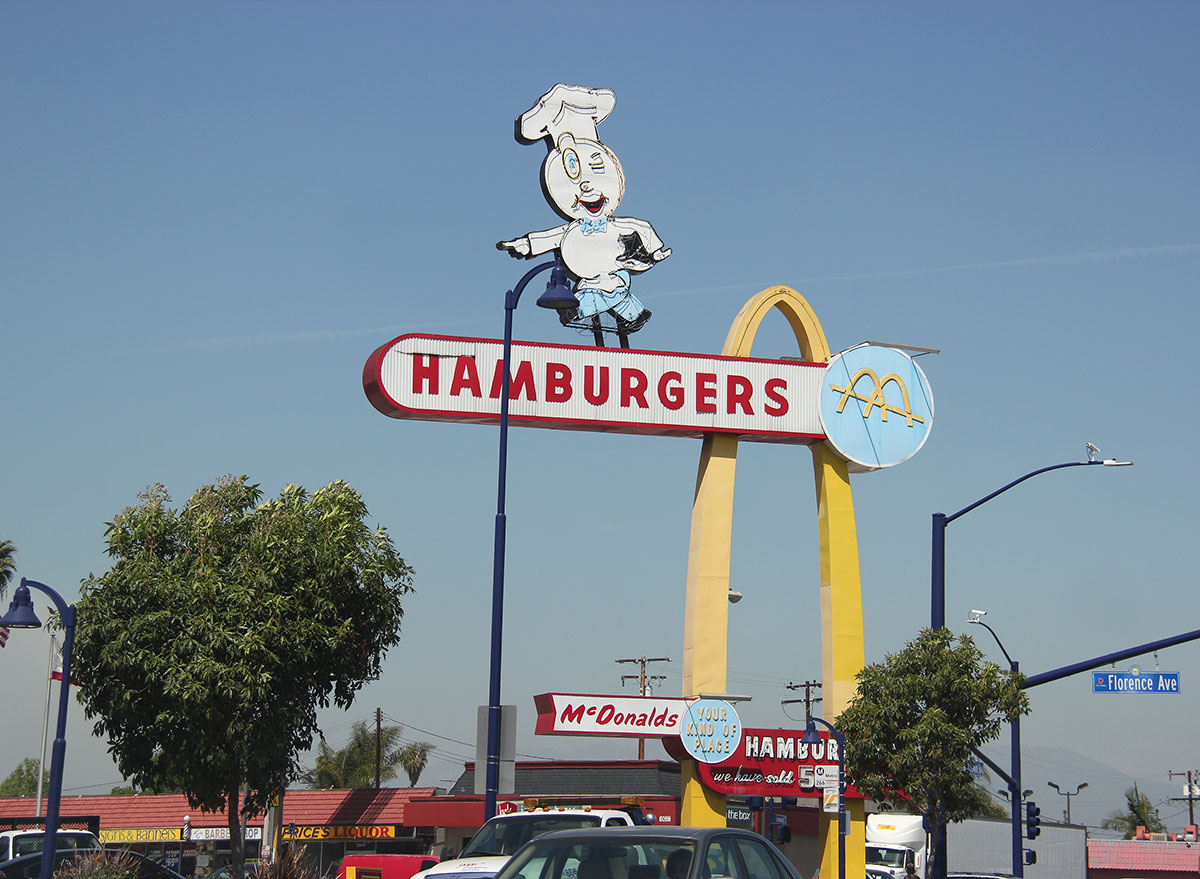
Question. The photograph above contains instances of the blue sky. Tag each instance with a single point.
(213, 213)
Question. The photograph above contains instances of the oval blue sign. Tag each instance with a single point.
(711, 730)
(876, 406)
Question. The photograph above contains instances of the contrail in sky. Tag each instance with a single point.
(1068, 259)
(306, 336)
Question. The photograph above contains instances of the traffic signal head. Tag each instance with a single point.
(1030, 857)
(1032, 820)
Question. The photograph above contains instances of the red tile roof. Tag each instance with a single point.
(1143, 854)
(311, 807)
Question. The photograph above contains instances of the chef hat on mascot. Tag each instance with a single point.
(566, 109)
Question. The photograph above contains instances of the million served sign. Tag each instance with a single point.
(616, 390)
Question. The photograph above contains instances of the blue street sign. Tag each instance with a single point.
(1135, 681)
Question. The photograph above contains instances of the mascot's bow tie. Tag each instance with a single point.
(597, 225)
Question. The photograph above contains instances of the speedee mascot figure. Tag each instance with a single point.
(583, 181)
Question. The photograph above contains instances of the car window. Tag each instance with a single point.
(32, 843)
(596, 859)
(720, 862)
(760, 863)
(505, 837)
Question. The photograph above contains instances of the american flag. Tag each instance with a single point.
(56, 672)
(3, 635)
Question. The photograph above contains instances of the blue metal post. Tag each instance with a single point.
(1108, 659)
(1014, 778)
(937, 620)
(841, 812)
(493, 726)
(1018, 853)
(937, 567)
(58, 754)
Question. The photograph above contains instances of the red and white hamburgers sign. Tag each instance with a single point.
(575, 387)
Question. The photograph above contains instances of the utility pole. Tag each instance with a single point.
(378, 741)
(809, 700)
(1191, 794)
(643, 687)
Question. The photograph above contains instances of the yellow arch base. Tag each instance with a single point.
(706, 619)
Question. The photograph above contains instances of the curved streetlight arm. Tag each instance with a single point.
(514, 295)
(1016, 482)
(999, 643)
(937, 566)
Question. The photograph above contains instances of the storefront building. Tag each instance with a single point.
(329, 824)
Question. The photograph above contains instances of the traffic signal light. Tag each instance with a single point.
(1030, 857)
(1032, 821)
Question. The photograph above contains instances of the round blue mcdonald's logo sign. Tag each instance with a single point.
(876, 406)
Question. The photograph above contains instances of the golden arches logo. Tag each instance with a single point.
(876, 397)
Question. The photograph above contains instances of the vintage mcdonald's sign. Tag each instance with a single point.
(616, 390)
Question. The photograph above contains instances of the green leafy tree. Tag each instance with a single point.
(220, 629)
(915, 718)
(22, 781)
(353, 766)
(413, 759)
(1138, 812)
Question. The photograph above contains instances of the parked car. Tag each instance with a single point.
(15, 843)
(649, 853)
(384, 866)
(500, 837)
(30, 866)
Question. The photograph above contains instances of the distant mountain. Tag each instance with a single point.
(1105, 791)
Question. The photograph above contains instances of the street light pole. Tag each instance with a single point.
(1068, 795)
(1018, 862)
(812, 737)
(21, 616)
(937, 600)
(558, 283)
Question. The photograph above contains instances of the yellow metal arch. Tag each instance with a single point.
(706, 619)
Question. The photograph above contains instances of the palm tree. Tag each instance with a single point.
(7, 565)
(1138, 812)
(353, 766)
(413, 759)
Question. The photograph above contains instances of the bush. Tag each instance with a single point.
(292, 864)
(100, 864)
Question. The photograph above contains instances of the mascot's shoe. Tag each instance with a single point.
(567, 316)
(638, 322)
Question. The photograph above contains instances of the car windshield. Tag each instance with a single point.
(505, 837)
(885, 857)
(631, 858)
(33, 843)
